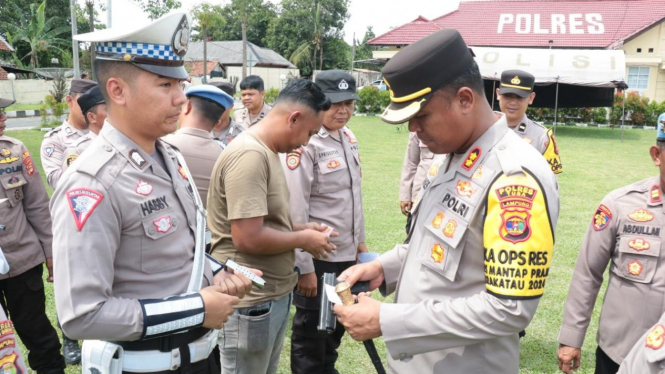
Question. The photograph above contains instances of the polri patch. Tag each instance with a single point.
(48, 150)
(472, 158)
(639, 244)
(641, 215)
(162, 224)
(143, 188)
(515, 226)
(656, 337)
(602, 217)
(293, 159)
(82, 202)
(635, 268)
(464, 188)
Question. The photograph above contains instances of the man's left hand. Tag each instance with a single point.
(49, 267)
(234, 284)
(361, 320)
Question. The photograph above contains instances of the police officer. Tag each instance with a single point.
(56, 141)
(194, 139)
(324, 180)
(93, 108)
(459, 308)
(25, 239)
(625, 231)
(125, 218)
(252, 91)
(648, 354)
(515, 94)
(226, 129)
(417, 161)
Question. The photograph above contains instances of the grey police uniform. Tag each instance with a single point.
(53, 150)
(648, 354)
(75, 149)
(417, 161)
(626, 232)
(227, 135)
(455, 308)
(244, 119)
(543, 140)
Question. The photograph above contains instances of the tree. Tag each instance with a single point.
(157, 8)
(206, 15)
(39, 33)
(363, 50)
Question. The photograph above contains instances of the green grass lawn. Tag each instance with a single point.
(19, 106)
(595, 161)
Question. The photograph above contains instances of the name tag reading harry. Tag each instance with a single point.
(256, 280)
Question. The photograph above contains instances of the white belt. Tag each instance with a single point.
(150, 361)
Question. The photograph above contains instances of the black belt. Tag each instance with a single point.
(165, 343)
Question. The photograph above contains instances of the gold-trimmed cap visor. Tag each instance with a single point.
(397, 113)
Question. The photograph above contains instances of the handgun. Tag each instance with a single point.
(327, 319)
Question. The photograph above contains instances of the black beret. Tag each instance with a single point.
(89, 99)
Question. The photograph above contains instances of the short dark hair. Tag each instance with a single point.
(105, 69)
(91, 110)
(469, 78)
(252, 82)
(304, 92)
(661, 145)
(206, 109)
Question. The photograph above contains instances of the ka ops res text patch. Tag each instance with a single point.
(518, 238)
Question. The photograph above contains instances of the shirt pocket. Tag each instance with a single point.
(638, 258)
(330, 177)
(158, 229)
(13, 186)
(442, 246)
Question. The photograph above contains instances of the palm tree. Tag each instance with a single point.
(307, 51)
(39, 33)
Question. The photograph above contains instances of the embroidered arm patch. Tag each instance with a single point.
(552, 153)
(171, 315)
(82, 202)
(518, 238)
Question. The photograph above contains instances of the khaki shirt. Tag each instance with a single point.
(200, 151)
(325, 187)
(124, 231)
(626, 232)
(25, 223)
(75, 149)
(247, 182)
(53, 150)
(417, 161)
(471, 276)
(543, 140)
(648, 354)
(243, 117)
(227, 135)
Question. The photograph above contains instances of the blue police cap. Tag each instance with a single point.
(211, 93)
(661, 128)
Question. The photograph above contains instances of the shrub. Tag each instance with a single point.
(599, 115)
(271, 95)
(59, 88)
(370, 100)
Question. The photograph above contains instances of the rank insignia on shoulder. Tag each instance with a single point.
(437, 253)
(472, 158)
(656, 337)
(48, 150)
(71, 158)
(181, 170)
(143, 188)
(639, 244)
(522, 127)
(641, 215)
(137, 159)
(82, 202)
(436, 222)
(351, 140)
(449, 229)
(635, 268)
(293, 159)
(655, 194)
(602, 217)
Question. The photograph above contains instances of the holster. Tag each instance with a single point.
(100, 357)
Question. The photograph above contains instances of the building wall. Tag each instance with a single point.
(270, 76)
(654, 39)
(26, 91)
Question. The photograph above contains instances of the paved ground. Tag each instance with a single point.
(27, 122)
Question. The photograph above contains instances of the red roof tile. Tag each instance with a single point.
(4, 46)
(195, 68)
(594, 23)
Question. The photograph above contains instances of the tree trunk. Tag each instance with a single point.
(205, 55)
(91, 15)
(243, 23)
(321, 57)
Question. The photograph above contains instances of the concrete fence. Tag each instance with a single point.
(26, 91)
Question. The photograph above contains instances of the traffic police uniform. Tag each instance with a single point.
(227, 135)
(324, 180)
(243, 117)
(417, 161)
(648, 354)
(626, 232)
(471, 275)
(57, 140)
(521, 83)
(25, 239)
(198, 146)
(87, 101)
(125, 228)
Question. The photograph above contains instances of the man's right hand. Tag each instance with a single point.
(569, 358)
(371, 271)
(406, 207)
(316, 243)
(218, 306)
(307, 284)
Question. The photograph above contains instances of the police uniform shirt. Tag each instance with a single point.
(648, 354)
(75, 149)
(53, 150)
(417, 161)
(228, 134)
(626, 231)
(25, 223)
(124, 232)
(324, 180)
(471, 277)
(543, 140)
(200, 151)
(245, 120)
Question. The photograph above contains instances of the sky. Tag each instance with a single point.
(382, 15)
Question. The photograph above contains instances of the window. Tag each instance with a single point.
(639, 50)
(650, 50)
(638, 77)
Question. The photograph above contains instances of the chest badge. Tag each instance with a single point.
(334, 164)
(641, 215)
(434, 169)
(656, 337)
(449, 229)
(602, 217)
(437, 253)
(6, 156)
(143, 188)
(13, 182)
(436, 222)
(639, 244)
(472, 158)
(162, 224)
(464, 188)
(478, 173)
(635, 268)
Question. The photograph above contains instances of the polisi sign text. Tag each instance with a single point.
(574, 23)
